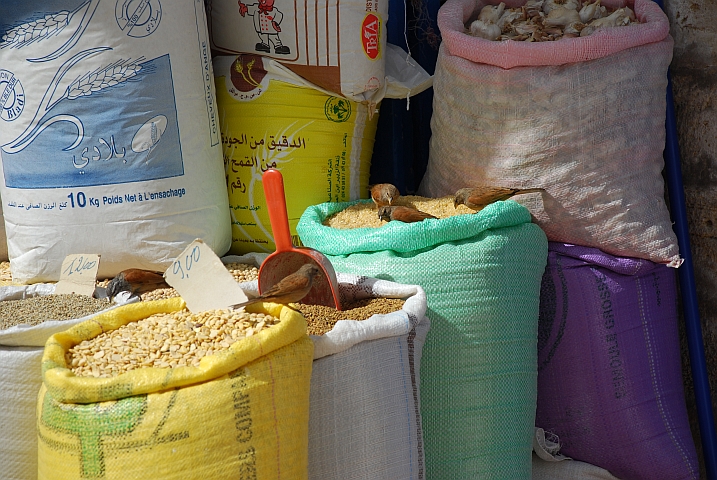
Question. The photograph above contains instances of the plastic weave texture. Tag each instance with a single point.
(609, 365)
(21, 349)
(583, 118)
(481, 274)
(242, 413)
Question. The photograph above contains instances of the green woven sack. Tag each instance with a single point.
(482, 275)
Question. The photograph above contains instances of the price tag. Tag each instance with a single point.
(202, 280)
(78, 274)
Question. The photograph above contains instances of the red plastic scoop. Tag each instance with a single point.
(287, 258)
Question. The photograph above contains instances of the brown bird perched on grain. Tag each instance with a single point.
(477, 198)
(135, 280)
(290, 289)
(384, 194)
(403, 214)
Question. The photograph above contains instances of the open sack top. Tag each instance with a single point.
(399, 236)
(455, 15)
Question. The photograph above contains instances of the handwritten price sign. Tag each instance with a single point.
(78, 274)
(202, 280)
(182, 266)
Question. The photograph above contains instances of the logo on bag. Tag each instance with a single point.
(12, 96)
(337, 109)
(370, 34)
(103, 428)
(90, 424)
(247, 77)
(138, 18)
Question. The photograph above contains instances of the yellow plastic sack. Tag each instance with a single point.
(243, 413)
(270, 118)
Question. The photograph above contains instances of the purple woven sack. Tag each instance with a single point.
(609, 367)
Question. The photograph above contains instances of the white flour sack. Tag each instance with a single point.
(339, 45)
(3, 237)
(109, 138)
(583, 118)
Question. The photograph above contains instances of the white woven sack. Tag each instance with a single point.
(365, 421)
(251, 258)
(21, 349)
(592, 133)
(109, 136)
(549, 464)
(568, 470)
(3, 237)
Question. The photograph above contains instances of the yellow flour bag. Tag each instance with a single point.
(271, 118)
(242, 413)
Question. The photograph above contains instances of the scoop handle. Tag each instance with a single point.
(276, 204)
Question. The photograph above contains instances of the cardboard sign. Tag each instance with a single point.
(202, 280)
(78, 274)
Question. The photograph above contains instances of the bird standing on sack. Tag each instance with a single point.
(403, 214)
(384, 194)
(477, 198)
(135, 280)
(290, 289)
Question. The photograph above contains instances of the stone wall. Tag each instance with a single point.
(694, 77)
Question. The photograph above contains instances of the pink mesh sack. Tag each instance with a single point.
(582, 117)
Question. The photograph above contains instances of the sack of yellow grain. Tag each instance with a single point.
(239, 412)
(365, 419)
(271, 118)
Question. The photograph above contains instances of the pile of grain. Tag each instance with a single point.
(171, 340)
(362, 215)
(5, 274)
(38, 309)
(321, 319)
(241, 272)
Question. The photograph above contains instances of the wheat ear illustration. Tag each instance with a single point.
(239, 67)
(102, 78)
(36, 30)
(42, 28)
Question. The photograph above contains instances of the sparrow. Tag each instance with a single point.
(384, 194)
(403, 214)
(477, 198)
(290, 289)
(135, 280)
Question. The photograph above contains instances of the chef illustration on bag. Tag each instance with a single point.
(267, 19)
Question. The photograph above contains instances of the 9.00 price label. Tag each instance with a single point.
(202, 280)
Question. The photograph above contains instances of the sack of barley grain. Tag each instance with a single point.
(109, 135)
(240, 411)
(583, 118)
(365, 419)
(29, 315)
